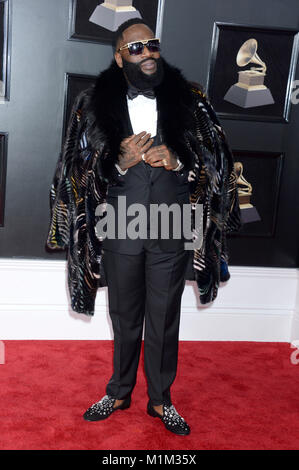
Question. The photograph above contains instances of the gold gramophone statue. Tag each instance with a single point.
(112, 13)
(250, 90)
(248, 212)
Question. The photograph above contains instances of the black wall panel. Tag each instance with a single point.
(33, 118)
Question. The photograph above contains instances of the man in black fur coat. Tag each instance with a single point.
(145, 133)
(144, 278)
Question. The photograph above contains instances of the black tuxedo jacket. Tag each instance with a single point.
(145, 185)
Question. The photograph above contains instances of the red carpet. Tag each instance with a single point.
(234, 395)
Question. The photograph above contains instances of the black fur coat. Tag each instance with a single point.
(190, 128)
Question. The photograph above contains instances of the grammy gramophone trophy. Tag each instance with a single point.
(112, 13)
(248, 212)
(250, 90)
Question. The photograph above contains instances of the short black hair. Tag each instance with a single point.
(118, 35)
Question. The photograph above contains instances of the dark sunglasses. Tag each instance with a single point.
(136, 47)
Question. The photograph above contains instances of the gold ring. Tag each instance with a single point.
(164, 161)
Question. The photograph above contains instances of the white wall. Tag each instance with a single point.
(256, 304)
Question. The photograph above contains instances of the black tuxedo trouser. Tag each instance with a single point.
(146, 286)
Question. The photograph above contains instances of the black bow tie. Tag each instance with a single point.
(133, 93)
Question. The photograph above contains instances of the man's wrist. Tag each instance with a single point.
(179, 166)
(120, 170)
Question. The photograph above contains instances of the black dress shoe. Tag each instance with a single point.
(104, 408)
(171, 419)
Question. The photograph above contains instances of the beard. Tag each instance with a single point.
(141, 80)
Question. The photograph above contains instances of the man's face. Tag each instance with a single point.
(144, 61)
(145, 70)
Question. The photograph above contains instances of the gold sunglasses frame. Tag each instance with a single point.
(144, 42)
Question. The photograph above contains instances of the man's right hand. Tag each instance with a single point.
(132, 148)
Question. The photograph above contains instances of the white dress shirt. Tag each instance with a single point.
(143, 114)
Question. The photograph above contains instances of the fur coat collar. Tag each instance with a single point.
(108, 110)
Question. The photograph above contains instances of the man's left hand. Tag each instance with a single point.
(161, 156)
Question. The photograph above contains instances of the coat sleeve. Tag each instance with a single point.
(231, 214)
(221, 209)
(61, 197)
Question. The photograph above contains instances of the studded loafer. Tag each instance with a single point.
(104, 408)
(171, 419)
